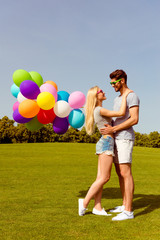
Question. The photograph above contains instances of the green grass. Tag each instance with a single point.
(40, 185)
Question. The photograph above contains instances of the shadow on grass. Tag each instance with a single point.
(149, 202)
(146, 202)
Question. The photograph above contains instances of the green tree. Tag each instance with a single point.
(7, 130)
(10, 132)
(154, 139)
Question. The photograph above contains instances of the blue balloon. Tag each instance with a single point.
(76, 118)
(63, 95)
(15, 90)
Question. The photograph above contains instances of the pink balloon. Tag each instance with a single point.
(46, 87)
(15, 106)
(76, 99)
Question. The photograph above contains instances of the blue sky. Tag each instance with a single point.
(78, 43)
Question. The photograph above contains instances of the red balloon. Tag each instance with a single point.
(46, 116)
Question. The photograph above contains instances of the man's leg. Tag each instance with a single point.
(127, 185)
(121, 182)
(123, 160)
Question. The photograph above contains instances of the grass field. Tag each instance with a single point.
(40, 185)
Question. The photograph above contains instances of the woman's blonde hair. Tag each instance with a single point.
(91, 101)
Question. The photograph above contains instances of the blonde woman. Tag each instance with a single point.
(96, 114)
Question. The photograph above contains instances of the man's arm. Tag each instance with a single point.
(133, 120)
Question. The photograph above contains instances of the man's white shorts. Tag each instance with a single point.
(123, 151)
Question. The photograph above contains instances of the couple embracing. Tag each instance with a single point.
(115, 144)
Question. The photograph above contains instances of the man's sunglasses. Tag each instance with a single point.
(113, 83)
(100, 91)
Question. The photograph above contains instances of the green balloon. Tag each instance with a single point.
(34, 124)
(37, 78)
(21, 75)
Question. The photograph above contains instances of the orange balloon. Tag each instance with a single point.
(28, 108)
(53, 84)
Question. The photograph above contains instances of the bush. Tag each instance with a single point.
(9, 133)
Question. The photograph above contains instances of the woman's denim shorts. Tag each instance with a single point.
(105, 145)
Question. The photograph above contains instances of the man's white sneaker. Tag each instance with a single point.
(123, 216)
(102, 212)
(118, 209)
(81, 209)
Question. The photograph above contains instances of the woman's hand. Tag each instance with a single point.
(127, 91)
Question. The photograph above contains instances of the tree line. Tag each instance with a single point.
(11, 133)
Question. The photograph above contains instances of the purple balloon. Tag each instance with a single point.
(60, 125)
(29, 89)
(18, 118)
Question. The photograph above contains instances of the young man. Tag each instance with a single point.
(124, 141)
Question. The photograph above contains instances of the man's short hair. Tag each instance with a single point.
(118, 74)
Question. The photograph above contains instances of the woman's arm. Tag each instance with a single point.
(121, 112)
(133, 120)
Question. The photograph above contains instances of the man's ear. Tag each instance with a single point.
(123, 81)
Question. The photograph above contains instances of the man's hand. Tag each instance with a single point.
(107, 130)
(132, 120)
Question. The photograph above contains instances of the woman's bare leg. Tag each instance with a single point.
(98, 195)
(105, 170)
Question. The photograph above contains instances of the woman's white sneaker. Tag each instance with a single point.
(123, 216)
(102, 212)
(118, 209)
(81, 209)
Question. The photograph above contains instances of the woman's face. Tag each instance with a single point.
(101, 95)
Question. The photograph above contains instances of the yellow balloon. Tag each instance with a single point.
(45, 100)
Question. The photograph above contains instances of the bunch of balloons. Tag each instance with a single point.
(40, 103)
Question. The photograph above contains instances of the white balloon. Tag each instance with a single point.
(20, 97)
(62, 109)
